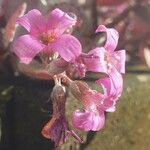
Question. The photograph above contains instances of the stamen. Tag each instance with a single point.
(47, 38)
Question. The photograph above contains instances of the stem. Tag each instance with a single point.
(64, 79)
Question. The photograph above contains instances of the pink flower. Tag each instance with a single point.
(112, 86)
(46, 36)
(103, 59)
(100, 59)
(57, 128)
(92, 117)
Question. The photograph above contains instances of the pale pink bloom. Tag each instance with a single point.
(103, 59)
(112, 86)
(47, 36)
(92, 117)
(95, 104)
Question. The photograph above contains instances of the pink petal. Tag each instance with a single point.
(26, 48)
(108, 104)
(117, 81)
(94, 60)
(112, 37)
(59, 21)
(67, 46)
(112, 86)
(91, 99)
(87, 121)
(106, 83)
(120, 56)
(99, 121)
(33, 22)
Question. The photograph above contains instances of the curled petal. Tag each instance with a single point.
(94, 60)
(26, 48)
(60, 21)
(112, 37)
(120, 56)
(117, 82)
(109, 92)
(33, 22)
(112, 86)
(87, 120)
(107, 85)
(108, 104)
(67, 46)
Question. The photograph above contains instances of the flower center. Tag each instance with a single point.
(47, 38)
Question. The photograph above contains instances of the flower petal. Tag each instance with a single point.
(87, 120)
(99, 121)
(91, 99)
(26, 48)
(120, 56)
(94, 60)
(106, 83)
(67, 46)
(33, 22)
(112, 37)
(117, 82)
(112, 86)
(59, 21)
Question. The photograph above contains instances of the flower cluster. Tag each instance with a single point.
(61, 54)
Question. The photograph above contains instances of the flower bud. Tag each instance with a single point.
(78, 88)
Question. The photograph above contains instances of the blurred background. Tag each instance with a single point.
(23, 106)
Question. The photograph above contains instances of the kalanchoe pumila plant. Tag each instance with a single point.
(62, 58)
